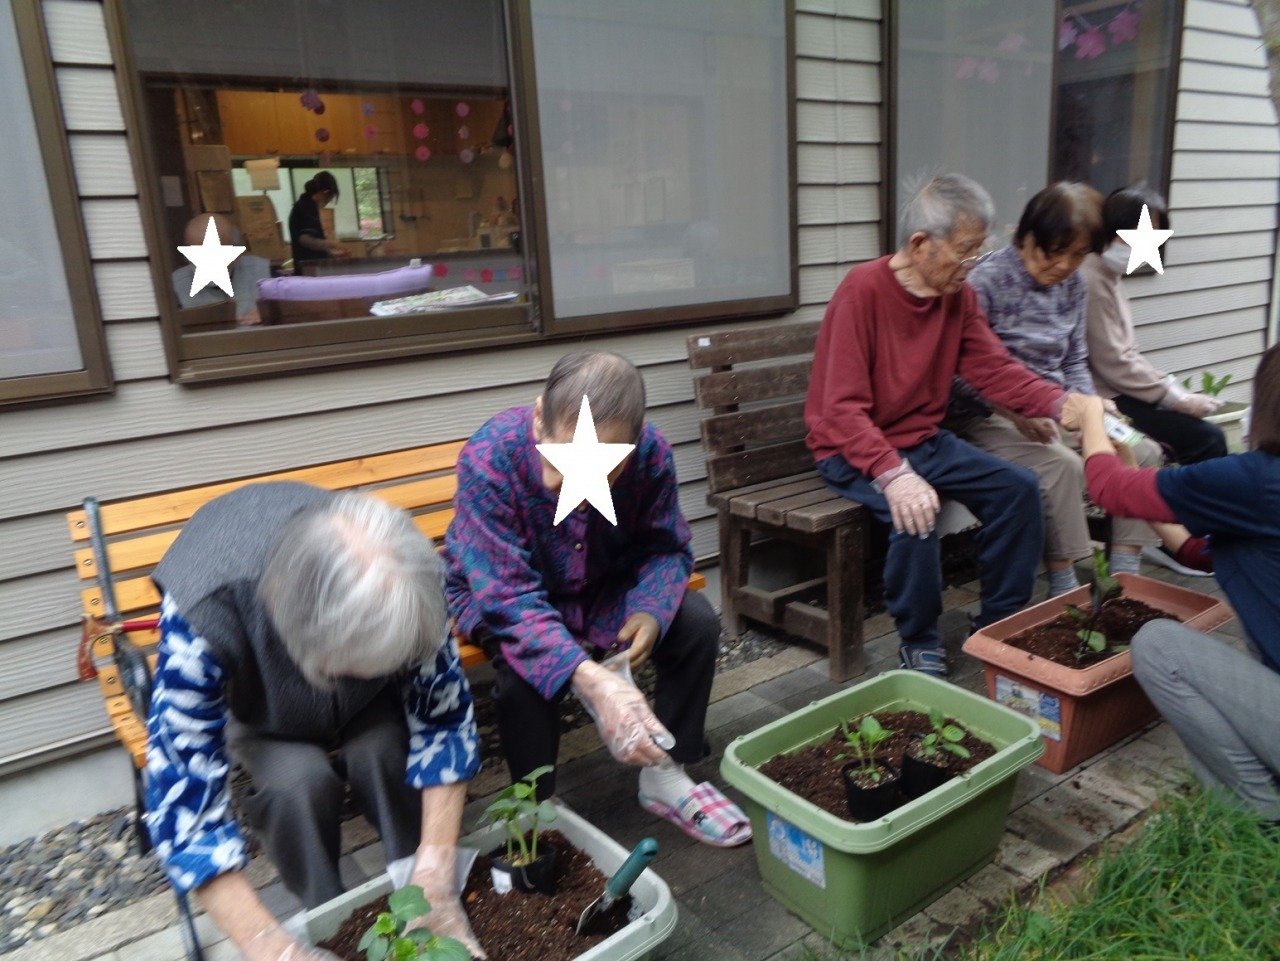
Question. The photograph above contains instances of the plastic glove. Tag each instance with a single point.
(436, 871)
(1196, 405)
(276, 944)
(627, 726)
(913, 503)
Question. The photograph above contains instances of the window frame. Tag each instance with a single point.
(94, 376)
(222, 355)
(888, 118)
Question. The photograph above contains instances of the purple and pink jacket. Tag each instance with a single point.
(552, 592)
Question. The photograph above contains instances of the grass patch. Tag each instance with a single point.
(1198, 882)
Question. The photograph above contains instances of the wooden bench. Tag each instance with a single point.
(135, 534)
(762, 482)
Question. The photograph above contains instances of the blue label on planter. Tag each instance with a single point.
(797, 850)
(1044, 709)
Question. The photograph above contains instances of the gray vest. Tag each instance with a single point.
(212, 573)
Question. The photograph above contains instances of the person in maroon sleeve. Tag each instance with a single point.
(896, 332)
(1222, 706)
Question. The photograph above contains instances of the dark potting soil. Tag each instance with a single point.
(517, 926)
(1059, 639)
(814, 773)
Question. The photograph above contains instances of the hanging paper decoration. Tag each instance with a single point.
(462, 109)
(1067, 34)
(326, 158)
(417, 106)
(1088, 37)
(370, 131)
(486, 276)
(1124, 27)
(440, 270)
(323, 135)
(469, 275)
(366, 108)
(423, 153)
(466, 156)
(464, 132)
(420, 130)
(515, 273)
(310, 100)
(1091, 44)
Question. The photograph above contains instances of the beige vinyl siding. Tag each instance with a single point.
(152, 435)
(1211, 308)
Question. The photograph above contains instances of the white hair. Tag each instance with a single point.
(943, 204)
(355, 589)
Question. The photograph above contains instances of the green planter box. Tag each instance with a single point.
(853, 882)
(653, 913)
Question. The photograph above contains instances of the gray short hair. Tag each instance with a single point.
(943, 204)
(355, 589)
(612, 382)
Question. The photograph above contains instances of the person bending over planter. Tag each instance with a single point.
(549, 601)
(1154, 401)
(896, 333)
(304, 636)
(1220, 702)
(1035, 303)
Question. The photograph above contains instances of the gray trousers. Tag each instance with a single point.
(1060, 469)
(294, 801)
(1224, 705)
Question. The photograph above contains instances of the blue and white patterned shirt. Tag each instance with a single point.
(189, 814)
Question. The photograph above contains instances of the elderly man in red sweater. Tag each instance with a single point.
(894, 335)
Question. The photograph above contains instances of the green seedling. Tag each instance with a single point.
(1103, 588)
(862, 742)
(387, 939)
(1210, 386)
(945, 737)
(516, 802)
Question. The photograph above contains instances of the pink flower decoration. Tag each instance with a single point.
(417, 106)
(322, 135)
(464, 132)
(1092, 44)
(515, 273)
(1067, 34)
(989, 71)
(423, 153)
(1013, 41)
(310, 100)
(462, 109)
(466, 156)
(319, 108)
(966, 67)
(469, 275)
(370, 131)
(420, 130)
(440, 270)
(486, 276)
(1124, 27)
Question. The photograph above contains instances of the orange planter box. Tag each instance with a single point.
(1081, 711)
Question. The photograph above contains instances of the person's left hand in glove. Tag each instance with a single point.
(434, 871)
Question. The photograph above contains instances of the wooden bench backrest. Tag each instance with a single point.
(756, 387)
(139, 531)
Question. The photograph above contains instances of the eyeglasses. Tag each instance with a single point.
(968, 263)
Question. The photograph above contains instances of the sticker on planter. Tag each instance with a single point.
(1044, 709)
(797, 850)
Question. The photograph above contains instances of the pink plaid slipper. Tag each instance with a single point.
(706, 815)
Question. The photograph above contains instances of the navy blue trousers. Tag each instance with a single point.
(1003, 496)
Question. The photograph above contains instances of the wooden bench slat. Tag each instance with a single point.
(748, 505)
(728, 471)
(756, 343)
(177, 507)
(723, 499)
(136, 553)
(724, 432)
(824, 516)
(777, 512)
(745, 386)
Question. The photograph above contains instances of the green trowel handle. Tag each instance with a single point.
(639, 859)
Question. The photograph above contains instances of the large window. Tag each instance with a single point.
(50, 333)
(577, 166)
(1017, 93)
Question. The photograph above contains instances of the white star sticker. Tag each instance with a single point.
(1144, 243)
(212, 258)
(585, 465)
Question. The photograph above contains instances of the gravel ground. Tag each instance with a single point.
(88, 867)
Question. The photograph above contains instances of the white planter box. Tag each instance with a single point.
(653, 912)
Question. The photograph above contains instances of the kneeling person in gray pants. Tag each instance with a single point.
(304, 636)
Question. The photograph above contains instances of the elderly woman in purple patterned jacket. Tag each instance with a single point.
(575, 605)
(1034, 299)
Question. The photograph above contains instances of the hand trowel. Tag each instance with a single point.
(618, 885)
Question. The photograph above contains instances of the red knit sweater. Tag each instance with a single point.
(883, 366)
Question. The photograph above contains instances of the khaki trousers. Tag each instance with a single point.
(1060, 469)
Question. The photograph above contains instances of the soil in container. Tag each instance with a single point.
(517, 926)
(814, 773)
(1059, 640)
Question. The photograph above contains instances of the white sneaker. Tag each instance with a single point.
(1161, 556)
